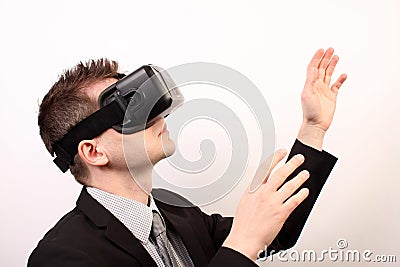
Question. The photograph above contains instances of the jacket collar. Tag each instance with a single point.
(115, 231)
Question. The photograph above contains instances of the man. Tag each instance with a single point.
(115, 220)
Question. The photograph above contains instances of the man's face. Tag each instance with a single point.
(136, 150)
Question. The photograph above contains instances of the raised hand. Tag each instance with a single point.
(318, 98)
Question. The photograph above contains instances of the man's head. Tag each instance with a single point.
(74, 97)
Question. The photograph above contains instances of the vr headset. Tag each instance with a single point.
(130, 105)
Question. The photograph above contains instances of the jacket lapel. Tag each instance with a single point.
(115, 231)
(121, 236)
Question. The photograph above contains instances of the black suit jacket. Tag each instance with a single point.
(90, 235)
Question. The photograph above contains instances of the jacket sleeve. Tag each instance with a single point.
(319, 164)
(49, 254)
(229, 257)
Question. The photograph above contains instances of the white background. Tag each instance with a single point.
(269, 42)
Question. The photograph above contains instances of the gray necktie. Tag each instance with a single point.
(163, 245)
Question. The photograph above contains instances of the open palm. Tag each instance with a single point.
(318, 98)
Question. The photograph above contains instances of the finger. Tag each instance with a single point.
(324, 63)
(291, 186)
(312, 69)
(316, 59)
(336, 86)
(294, 201)
(277, 179)
(278, 156)
(330, 69)
(265, 169)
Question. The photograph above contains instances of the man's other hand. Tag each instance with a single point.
(261, 214)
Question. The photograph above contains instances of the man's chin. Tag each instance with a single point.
(169, 149)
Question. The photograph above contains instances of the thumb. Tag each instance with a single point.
(264, 170)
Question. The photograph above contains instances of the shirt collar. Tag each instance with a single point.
(136, 216)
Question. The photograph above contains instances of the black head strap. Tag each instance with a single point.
(67, 147)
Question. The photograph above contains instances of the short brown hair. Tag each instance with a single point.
(67, 103)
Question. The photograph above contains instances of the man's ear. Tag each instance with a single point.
(92, 153)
